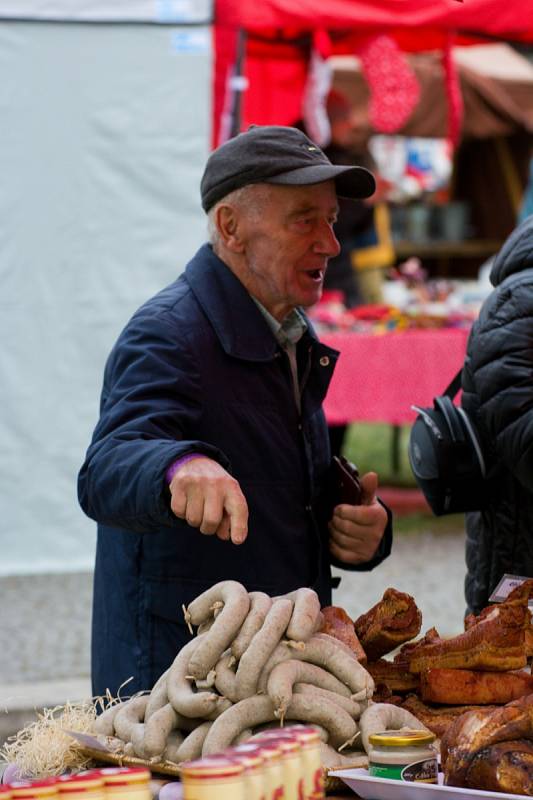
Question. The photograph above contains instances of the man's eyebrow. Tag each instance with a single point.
(310, 209)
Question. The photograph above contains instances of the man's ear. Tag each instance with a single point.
(229, 224)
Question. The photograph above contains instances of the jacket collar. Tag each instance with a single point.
(238, 323)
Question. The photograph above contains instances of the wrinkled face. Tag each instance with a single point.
(287, 240)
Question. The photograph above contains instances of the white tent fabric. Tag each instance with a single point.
(163, 11)
(104, 134)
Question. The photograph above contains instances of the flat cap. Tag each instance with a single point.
(279, 155)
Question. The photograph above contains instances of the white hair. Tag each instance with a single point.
(249, 197)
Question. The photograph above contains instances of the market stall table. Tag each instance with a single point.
(379, 377)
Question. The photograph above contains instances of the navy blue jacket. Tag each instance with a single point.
(197, 369)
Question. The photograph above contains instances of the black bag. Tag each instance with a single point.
(446, 456)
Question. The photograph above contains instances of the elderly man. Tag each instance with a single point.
(210, 460)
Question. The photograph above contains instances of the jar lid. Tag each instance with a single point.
(212, 767)
(124, 776)
(245, 748)
(287, 744)
(269, 749)
(401, 738)
(249, 760)
(21, 789)
(79, 783)
(305, 734)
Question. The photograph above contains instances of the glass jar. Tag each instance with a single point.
(403, 756)
(45, 789)
(214, 776)
(250, 757)
(291, 762)
(313, 774)
(126, 783)
(84, 786)
(272, 769)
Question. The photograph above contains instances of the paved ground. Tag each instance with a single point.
(429, 566)
(45, 620)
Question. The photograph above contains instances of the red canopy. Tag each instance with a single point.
(279, 34)
(512, 19)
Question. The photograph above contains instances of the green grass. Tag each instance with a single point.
(427, 523)
(370, 446)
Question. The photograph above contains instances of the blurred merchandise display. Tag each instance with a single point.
(417, 172)
(411, 301)
(413, 166)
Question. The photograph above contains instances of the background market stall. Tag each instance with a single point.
(416, 77)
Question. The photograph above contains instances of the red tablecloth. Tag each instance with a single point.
(379, 377)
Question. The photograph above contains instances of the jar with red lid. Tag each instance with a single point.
(291, 761)
(45, 789)
(313, 774)
(126, 783)
(253, 776)
(83, 786)
(272, 768)
(5, 792)
(212, 777)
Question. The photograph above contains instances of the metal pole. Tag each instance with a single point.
(238, 84)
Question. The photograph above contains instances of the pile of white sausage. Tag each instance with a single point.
(256, 661)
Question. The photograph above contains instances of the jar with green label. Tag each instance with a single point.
(404, 756)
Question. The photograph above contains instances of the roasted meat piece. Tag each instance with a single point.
(520, 595)
(391, 622)
(504, 767)
(438, 718)
(481, 729)
(455, 686)
(404, 655)
(338, 623)
(496, 642)
(394, 676)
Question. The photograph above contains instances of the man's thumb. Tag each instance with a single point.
(369, 485)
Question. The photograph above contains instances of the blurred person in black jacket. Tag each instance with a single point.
(355, 223)
(348, 142)
(497, 383)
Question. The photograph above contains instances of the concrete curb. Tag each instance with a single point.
(21, 702)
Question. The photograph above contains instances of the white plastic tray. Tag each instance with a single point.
(370, 788)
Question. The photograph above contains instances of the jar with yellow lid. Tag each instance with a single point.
(404, 756)
(213, 776)
(45, 789)
(126, 783)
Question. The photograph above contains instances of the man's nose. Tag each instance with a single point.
(327, 243)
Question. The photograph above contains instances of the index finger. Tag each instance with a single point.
(237, 510)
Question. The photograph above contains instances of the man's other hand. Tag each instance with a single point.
(355, 532)
(208, 498)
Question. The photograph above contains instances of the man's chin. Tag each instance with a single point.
(312, 298)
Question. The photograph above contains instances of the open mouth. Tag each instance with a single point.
(315, 274)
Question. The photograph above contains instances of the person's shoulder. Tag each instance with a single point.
(168, 314)
(510, 302)
(177, 298)
(167, 299)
